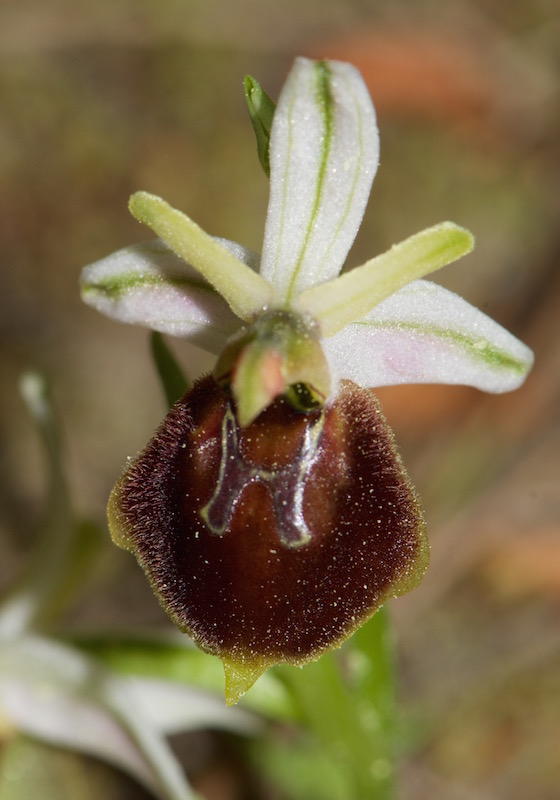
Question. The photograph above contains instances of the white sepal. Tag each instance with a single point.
(147, 284)
(426, 334)
(324, 151)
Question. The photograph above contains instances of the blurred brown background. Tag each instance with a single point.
(100, 99)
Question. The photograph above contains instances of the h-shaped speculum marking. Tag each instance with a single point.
(286, 484)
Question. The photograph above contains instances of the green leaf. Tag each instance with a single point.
(172, 378)
(261, 110)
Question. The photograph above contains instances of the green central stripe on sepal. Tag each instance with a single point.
(116, 287)
(325, 102)
(479, 348)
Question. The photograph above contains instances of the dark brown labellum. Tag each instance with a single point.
(271, 543)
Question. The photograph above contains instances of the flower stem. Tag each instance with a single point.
(347, 700)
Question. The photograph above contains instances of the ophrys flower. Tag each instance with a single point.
(271, 511)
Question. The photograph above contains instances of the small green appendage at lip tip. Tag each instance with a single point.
(241, 674)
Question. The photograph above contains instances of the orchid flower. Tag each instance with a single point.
(271, 511)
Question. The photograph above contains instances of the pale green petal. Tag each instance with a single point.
(324, 150)
(426, 334)
(351, 296)
(245, 292)
(147, 284)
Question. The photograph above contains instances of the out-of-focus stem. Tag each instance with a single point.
(35, 595)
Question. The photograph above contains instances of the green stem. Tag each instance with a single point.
(347, 701)
(38, 593)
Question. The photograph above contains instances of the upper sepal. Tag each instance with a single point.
(324, 151)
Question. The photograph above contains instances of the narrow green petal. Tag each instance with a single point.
(351, 296)
(245, 292)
